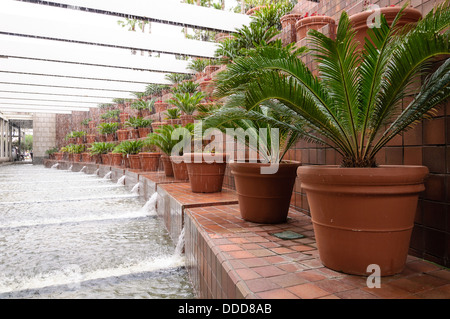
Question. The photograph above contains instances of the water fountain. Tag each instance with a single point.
(121, 180)
(55, 165)
(107, 175)
(61, 245)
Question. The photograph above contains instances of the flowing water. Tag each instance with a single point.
(73, 235)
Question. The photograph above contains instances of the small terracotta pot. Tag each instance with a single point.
(144, 131)
(264, 198)
(360, 23)
(85, 157)
(186, 119)
(180, 171)
(116, 159)
(59, 156)
(134, 161)
(77, 157)
(124, 117)
(106, 159)
(122, 135)
(160, 107)
(90, 138)
(149, 161)
(167, 164)
(110, 137)
(206, 171)
(363, 216)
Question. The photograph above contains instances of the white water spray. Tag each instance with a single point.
(55, 165)
(121, 180)
(96, 171)
(180, 244)
(107, 175)
(150, 206)
(70, 168)
(135, 189)
(83, 169)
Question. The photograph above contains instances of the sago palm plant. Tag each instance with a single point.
(187, 102)
(354, 105)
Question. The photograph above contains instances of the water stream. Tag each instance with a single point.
(75, 235)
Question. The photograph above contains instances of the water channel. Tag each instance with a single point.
(67, 234)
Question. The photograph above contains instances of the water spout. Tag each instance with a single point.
(180, 244)
(108, 175)
(55, 165)
(135, 188)
(150, 206)
(96, 171)
(70, 168)
(121, 180)
(83, 169)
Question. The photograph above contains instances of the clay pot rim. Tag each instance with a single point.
(206, 157)
(314, 20)
(389, 12)
(251, 164)
(382, 175)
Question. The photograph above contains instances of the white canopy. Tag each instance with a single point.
(69, 55)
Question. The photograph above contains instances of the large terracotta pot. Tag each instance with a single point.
(180, 171)
(167, 164)
(160, 107)
(363, 216)
(116, 159)
(123, 135)
(206, 171)
(59, 156)
(134, 161)
(149, 161)
(288, 22)
(360, 23)
(124, 117)
(264, 198)
(314, 22)
(86, 157)
(110, 137)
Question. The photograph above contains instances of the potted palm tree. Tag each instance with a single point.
(108, 130)
(187, 103)
(130, 150)
(101, 150)
(264, 180)
(150, 157)
(362, 212)
(165, 140)
(173, 116)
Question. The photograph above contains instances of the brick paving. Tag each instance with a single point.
(265, 266)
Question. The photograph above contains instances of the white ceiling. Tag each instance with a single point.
(66, 55)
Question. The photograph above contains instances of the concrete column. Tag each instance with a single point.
(44, 135)
(2, 139)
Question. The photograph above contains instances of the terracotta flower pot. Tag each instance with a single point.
(123, 135)
(360, 22)
(174, 121)
(59, 156)
(110, 137)
(79, 140)
(160, 107)
(363, 216)
(149, 161)
(116, 159)
(186, 119)
(85, 157)
(264, 198)
(77, 157)
(314, 22)
(206, 171)
(179, 168)
(124, 117)
(288, 22)
(90, 138)
(167, 164)
(106, 159)
(144, 131)
(134, 161)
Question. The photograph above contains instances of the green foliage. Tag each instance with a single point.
(137, 122)
(108, 128)
(130, 147)
(185, 87)
(111, 114)
(173, 114)
(186, 102)
(141, 104)
(168, 136)
(98, 148)
(176, 78)
(75, 148)
(51, 151)
(355, 105)
(197, 65)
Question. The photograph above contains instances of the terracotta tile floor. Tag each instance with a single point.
(182, 193)
(269, 267)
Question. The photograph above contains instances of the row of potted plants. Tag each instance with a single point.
(362, 213)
